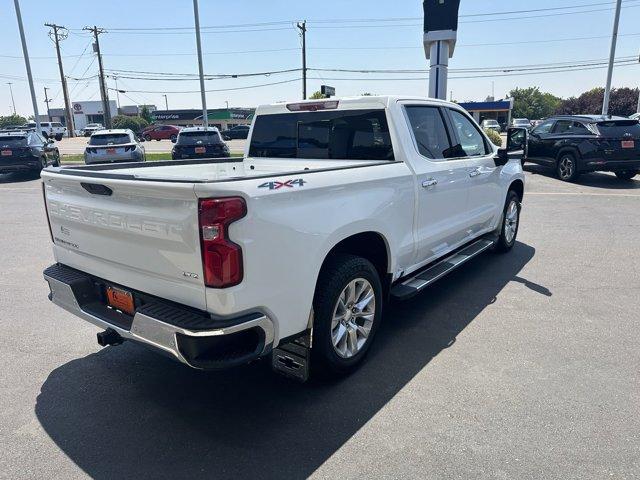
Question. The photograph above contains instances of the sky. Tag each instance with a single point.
(341, 34)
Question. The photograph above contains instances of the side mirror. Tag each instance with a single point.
(517, 144)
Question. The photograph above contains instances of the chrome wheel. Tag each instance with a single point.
(353, 317)
(566, 167)
(511, 221)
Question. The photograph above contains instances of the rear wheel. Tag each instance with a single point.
(567, 168)
(56, 159)
(626, 174)
(147, 137)
(347, 310)
(510, 222)
(58, 137)
(174, 137)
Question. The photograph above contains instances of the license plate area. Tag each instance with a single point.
(6, 153)
(628, 144)
(201, 149)
(121, 300)
(111, 151)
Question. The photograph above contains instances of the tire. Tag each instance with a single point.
(56, 159)
(338, 277)
(567, 167)
(147, 137)
(626, 174)
(173, 137)
(509, 229)
(58, 137)
(42, 165)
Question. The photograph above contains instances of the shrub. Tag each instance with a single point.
(135, 124)
(494, 136)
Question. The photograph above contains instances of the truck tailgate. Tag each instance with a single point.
(142, 235)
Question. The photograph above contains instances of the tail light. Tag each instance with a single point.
(312, 106)
(221, 258)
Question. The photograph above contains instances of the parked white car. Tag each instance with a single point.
(293, 249)
(49, 129)
(113, 146)
(91, 128)
(521, 123)
(490, 124)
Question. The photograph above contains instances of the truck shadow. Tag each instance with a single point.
(128, 412)
(19, 177)
(593, 179)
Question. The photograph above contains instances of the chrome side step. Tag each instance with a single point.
(411, 286)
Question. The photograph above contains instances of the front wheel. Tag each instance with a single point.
(347, 312)
(626, 174)
(510, 222)
(173, 137)
(58, 137)
(567, 168)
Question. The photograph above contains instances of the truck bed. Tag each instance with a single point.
(209, 170)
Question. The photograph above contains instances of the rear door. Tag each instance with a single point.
(484, 194)
(442, 219)
(139, 234)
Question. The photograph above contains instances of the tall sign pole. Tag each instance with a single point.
(612, 55)
(27, 65)
(440, 34)
(205, 116)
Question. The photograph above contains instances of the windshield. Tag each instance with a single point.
(193, 138)
(110, 139)
(619, 128)
(521, 121)
(345, 135)
(17, 141)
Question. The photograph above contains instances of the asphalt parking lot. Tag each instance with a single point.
(519, 366)
(76, 145)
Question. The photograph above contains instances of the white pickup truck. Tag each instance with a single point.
(293, 249)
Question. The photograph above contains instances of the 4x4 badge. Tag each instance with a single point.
(275, 185)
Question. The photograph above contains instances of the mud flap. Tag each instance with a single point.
(292, 359)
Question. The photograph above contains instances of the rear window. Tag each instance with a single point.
(344, 135)
(618, 128)
(111, 139)
(14, 141)
(192, 138)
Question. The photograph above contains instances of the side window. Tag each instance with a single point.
(578, 128)
(429, 132)
(472, 141)
(544, 127)
(562, 126)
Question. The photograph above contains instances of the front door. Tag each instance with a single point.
(485, 201)
(442, 219)
(541, 143)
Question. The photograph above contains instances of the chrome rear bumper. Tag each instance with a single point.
(202, 346)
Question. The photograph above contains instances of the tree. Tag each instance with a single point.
(146, 114)
(623, 101)
(135, 124)
(317, 95)
(12, 120)
(533, 104)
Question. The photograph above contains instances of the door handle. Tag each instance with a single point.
(429, 182)
(475, 172)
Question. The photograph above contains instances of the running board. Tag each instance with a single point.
(411, 286)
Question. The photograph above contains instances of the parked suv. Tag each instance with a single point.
(587, 143)
(22, 151)
(91, 128)
(196, 142)
(160, 132)
(111, 146)
(237, 132)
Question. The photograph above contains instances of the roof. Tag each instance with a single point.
(592, 118)
(113, 130)
(199, 129)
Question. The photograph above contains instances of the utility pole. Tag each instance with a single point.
(12, 100)
(27, 65)
(104, 93)
(56, 34)
(46, 100)
(303, 32)
(166, 102)
(612, 55)
(115, 79)
(205, 115)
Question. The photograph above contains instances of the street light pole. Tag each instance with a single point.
(166, 102)
(196, 15)
(13, 102)
(612, 54)
(27, 65)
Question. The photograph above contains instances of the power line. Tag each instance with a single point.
(215, 90)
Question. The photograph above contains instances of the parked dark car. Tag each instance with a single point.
(24, 151)
(160, 132)
(196, 142)
(237, 132)
(586, 143)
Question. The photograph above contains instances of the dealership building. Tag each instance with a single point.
(223, 118)
(499, 110)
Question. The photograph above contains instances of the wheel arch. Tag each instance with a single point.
(518, 187)
(568, 149)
